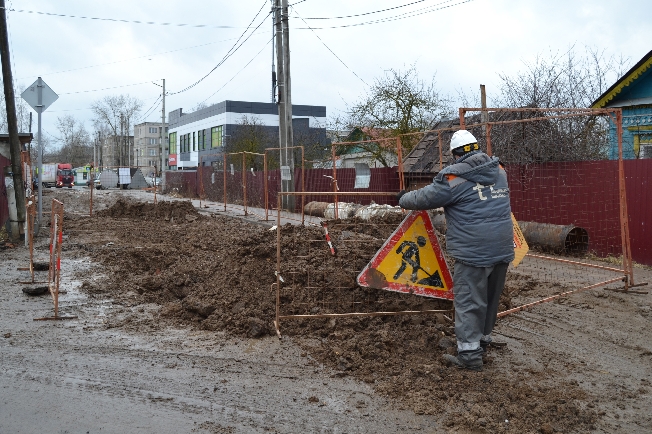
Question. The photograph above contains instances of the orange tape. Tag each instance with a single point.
(58, 263)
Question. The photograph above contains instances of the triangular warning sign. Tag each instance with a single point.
(410, 261)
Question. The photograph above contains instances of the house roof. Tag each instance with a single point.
(628, 78)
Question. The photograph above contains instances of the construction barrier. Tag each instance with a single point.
(319, 266)
(54, 273)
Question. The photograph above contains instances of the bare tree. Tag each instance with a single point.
(570, 79)
(397, 103)
(22, 113)
(75, 141)
(250, 135)
(118, 112)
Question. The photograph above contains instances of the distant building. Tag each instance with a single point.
(633, 94)
(202, 135)
(147, 146)
(114, 151)
(373, 154)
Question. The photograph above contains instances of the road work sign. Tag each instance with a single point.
(410, 261)
(520, 245)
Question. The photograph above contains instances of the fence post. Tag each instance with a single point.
(489, 139)
(624, 216)
(334, 182)
(224, 182)
(399, 153)
(244, 181)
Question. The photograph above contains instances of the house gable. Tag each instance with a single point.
(634, 85)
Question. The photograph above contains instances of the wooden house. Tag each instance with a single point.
(633, 94)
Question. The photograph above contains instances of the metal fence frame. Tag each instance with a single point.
(279, 281)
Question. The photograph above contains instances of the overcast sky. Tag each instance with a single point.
(464, 44)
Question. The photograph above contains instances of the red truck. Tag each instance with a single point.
(56, 175)
(65, 176)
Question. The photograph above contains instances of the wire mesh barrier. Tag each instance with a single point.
(276, 175)
(318, 265)
(567, 196)
(54, 273)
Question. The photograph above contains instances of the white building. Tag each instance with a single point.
(202, 134)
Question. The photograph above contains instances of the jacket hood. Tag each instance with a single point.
(475, 167)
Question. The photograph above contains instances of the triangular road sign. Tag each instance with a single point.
(410, 261)
(520, 245)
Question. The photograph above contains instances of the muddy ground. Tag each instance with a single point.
(170, 275)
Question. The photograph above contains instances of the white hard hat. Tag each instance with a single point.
(461, 138)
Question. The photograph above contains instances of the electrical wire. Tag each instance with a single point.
(366, 13)
(390, 19)
(328, 48)
(229, 53)
(149, 110)
(51, 14)
(106, 88)
(134, 58)
(237, 73)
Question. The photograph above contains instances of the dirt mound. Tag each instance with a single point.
(216, 274)
(176, 211)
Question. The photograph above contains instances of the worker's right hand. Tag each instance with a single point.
(400, 194)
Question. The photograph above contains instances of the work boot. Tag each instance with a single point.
(455, 361)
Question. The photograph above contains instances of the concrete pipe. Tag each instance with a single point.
(558, 238)
(315, 209)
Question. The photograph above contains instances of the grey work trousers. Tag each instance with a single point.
(477, 293)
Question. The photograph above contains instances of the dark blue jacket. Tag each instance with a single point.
(475, 198)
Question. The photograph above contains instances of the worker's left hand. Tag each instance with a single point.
(400, 194)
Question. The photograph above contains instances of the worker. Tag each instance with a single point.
(475, 196)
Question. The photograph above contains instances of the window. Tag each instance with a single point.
(152, 141)
(153, 130)
(216, 137)
(200, 140)
(152, 152)
(194, 141)
(173, 143)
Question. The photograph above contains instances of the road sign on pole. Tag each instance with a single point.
(40, 97)
(47, 97)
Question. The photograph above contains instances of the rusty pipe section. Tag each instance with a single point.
(557, 238)
(548, 237)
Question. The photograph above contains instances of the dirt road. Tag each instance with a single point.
(163, 344)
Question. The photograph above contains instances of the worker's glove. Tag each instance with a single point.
(400, 194)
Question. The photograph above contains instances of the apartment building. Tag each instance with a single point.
(147, 146)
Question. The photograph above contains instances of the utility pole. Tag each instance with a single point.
(163, 153)
(273, 54)
(122, 140)
(285, 102)
(12, 122)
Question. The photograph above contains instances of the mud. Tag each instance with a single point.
(571, 366)
(215, 274)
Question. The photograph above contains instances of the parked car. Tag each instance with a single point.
(152, 181)
(96, 183)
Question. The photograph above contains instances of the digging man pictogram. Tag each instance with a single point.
(410, 256)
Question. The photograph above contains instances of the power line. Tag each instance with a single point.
(116, 20)
(229, 53)
(389, 19)
(106, 88)
(237, 73)
(132, 58)
(149, 110)
(366, 13)
(328, 48)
